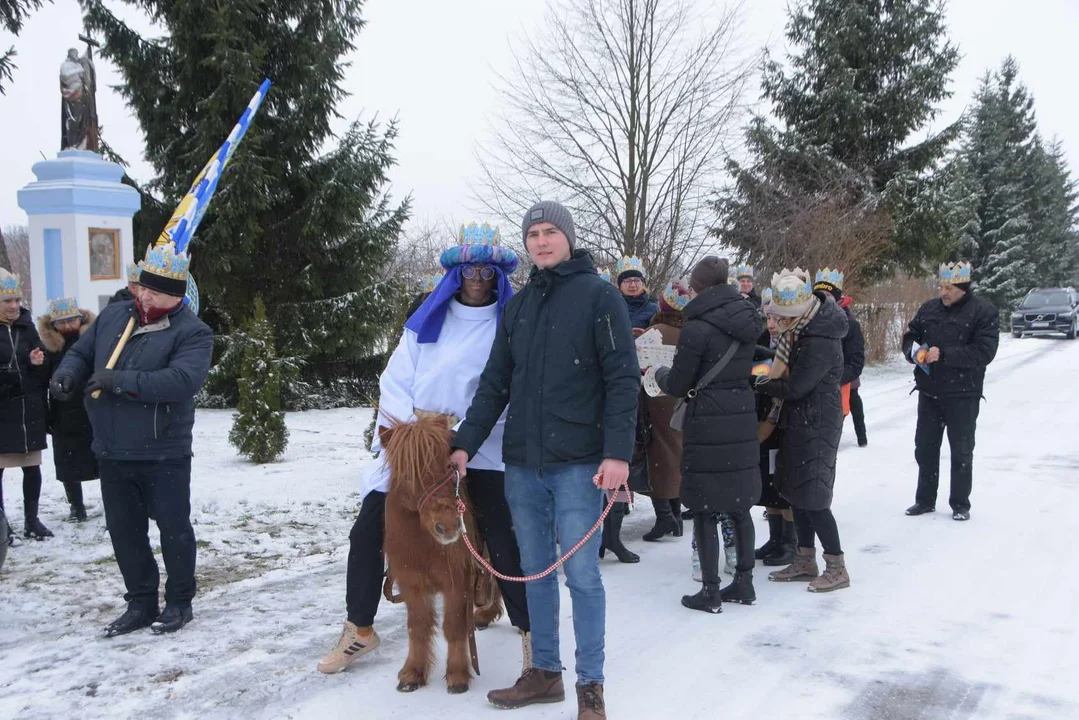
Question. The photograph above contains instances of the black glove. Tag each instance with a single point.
(62, 387)
(103, 380)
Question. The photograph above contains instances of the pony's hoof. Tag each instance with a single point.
(457, 689)
(408, 686)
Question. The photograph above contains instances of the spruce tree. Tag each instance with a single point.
(1002, 151)
(301, 217)
(259, 430)
(863, 78)
(13, 14)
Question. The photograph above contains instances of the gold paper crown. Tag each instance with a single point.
(741, 271)
(630, 263)
(9, 285)
(954, 273)
(791, 288)
(163, 260)
(832, 277)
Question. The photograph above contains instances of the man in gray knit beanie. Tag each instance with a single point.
(554, 213)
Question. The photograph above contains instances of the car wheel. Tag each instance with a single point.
(1017, 335)
(1071, 332)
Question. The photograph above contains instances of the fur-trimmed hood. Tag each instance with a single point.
(51, 337)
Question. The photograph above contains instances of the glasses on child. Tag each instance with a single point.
(484, 272)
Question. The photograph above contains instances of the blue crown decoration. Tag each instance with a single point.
(429, 282)
(133, 271)
(476, 234)
(64, 308)
(9, 285)
(630, 263)
(955, 273)
(743, 271)
(164, 261)
(791, 288)
(832, 277)
(605, 275)
(766, 297)
(479, 246)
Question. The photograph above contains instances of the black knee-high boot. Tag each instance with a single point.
(676, 510)
(73, 490)
(709, 548)
(31, 496)
(741, 590)
(775, 533)
(613, 533)
(665, 523)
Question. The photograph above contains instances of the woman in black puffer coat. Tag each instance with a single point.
(60, 328)
(811, 419)
(719, 438)
(23, 389)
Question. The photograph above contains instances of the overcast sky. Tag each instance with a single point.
(432, 63)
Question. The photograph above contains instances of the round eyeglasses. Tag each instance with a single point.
(484, 272)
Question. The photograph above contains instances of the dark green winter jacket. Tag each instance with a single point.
(564, 362)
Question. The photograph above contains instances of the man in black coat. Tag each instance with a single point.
(564, 362)
(142, 422)
(958, 335)
(831, 281)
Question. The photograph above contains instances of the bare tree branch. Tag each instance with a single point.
(622, 110)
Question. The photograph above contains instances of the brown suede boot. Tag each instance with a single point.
(835, 575)
(534, 686)
(590, 702)
(804, 567)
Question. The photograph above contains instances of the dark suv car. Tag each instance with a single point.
(1046, 311)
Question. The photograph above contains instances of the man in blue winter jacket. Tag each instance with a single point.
(142, 420)
(564, 362)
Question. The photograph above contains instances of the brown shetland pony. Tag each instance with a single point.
(426, 554)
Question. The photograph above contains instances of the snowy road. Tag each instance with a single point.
(943, 620)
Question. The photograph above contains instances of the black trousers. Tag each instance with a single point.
(366, 564)
(959, 417)
(131, 491)
(744, 539)
(857, 414)
(819, 523)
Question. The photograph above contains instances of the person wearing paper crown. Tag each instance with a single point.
(664, 449)
(60, 328)
(719, 439)
(24, 378)
(960, 333)
(435, 370)
(806, 405)
(142, 420)
(744, 274)
(631, 279)
(831, 281)
(782, 544)
(125, 294)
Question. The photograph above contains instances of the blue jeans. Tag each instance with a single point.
(553, 508)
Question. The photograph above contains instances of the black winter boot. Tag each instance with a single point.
(740, 590)
(136, 617)
(774, 544)
(73, 490)
(706, 531)
(614, 536)
(31, 493)
(788, 546)
(665, 523)
(676, 511)
(172, 619)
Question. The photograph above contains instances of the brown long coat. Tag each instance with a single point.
(665, 446)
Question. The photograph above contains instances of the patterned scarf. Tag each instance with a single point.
(783, 354)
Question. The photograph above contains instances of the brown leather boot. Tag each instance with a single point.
(804, 567)
(534, 686)
(590, 702)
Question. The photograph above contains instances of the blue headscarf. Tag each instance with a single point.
(427, 321)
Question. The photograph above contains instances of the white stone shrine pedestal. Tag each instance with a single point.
(80, 229)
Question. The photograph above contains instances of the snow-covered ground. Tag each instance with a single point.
(943, 619)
